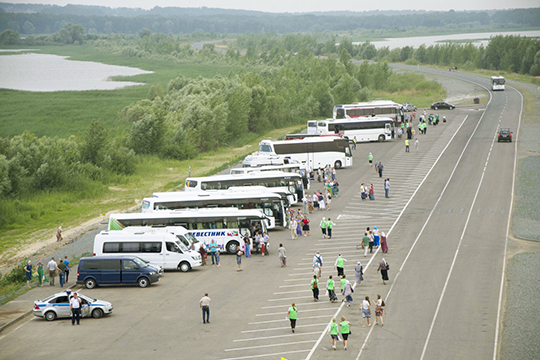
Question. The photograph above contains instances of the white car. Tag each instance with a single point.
(57, 306)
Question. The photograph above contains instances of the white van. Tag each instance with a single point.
(180, 232)
(159, 248)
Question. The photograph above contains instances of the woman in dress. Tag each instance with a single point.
(371, 193)
(347, 292)
(379, 310)
(328, 199)
(305, 226)
(298, 226)
(359, 272)
(292, 227)
(40, 273)
(384, 245)
(383, 268)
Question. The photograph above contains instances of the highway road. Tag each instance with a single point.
(446, 220)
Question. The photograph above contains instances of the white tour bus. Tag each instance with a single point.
(274, 180)
(377, 108)
(255, 161)
(297, 167)
(497, 83)
(163, 249)
(271, 203)
(225, 225)
(314, 152)
(369, 129)
(180, 232)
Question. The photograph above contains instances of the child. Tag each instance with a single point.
(218, 258)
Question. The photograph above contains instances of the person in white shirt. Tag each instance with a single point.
(75, 307)
(204, 303)
(52, 266)
(366, 312)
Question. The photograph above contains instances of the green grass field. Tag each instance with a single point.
(65, 113)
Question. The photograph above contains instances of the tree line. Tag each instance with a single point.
(172, 21)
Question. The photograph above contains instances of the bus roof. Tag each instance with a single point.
(359, 119)
(311, 139)
(245, 170)
(209, 195)
(192, 213)
(370, 104)
(251, 175)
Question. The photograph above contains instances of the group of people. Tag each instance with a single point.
(326, 228)
(61, 269)
(373, 239)
(298, 224)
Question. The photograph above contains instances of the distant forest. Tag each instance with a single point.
(48, 19)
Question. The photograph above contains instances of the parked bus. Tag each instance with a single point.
(270, 203)
(314, 152)
(226, 226)
(279, 180)
(370, 129)
(294, 167)
(497, 83)
(255, 161)
(377, 108)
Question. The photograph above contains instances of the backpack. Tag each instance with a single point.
(315, 285)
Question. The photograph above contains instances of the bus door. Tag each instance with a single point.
(388, 131)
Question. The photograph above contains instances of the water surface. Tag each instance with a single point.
(45, 73)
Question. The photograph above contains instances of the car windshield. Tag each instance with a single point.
(87, 298)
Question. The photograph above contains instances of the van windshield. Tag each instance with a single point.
(192, 239)
(140, 263)
(182, 246)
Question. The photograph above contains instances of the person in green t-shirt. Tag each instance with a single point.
(365, 243)
(329, 225)
(315, 287)
(343, 281)
(292, 315)
(345, 331)
(330, 286)
(333, 331)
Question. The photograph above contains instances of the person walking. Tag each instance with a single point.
(365, 243)
(75, 307)
(213, 249)
(416, 144)
(329, 226)
(330, 287)
(371, 193)
(380, 168)
(282, 254)
(52, 266)
(266, 241)
(371, 242)
(320, 198)
(379, 310)
(328, 200)
(406, 145)
(305, 225)
(239, 254)
(204, 303)
(247, 243)
(66, 262)
(61, 272)
(354, 141)
(202, 251)
(28, 272)
(376, 237)
(345, 331)
(218, 258)
(292, 227)
(342, 282)
(339, 265)
(366, 311)
(383, 268)
(333, 331)
(387, 188)
(370, 159)
(298, 225)
(59, 234)
(322, 225)
(359, 273)
(347, 292)
(384, 245)
(292, 314)
(315, 288)
(40, 273)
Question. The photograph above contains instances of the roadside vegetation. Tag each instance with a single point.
(201, 108)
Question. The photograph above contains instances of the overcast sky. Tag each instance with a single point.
(305, 5)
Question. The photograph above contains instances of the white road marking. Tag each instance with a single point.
(303, 311)
(267, 355)
(283, 320)
(276, 336)
(281, 328)
(271, 345)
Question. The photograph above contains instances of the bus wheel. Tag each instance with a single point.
(381, 138)
(232, 247)
(337, 164)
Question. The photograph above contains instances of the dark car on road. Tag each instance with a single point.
(409, 107)
(442, 105)
(504, 135)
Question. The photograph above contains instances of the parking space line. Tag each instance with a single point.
(282, 328)
(282, 306)
(303, 311)
(267, 355)
(282, 320)
(277, 336)
(271, 345)
(292, 298)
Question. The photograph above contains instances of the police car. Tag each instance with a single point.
(57, 306)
